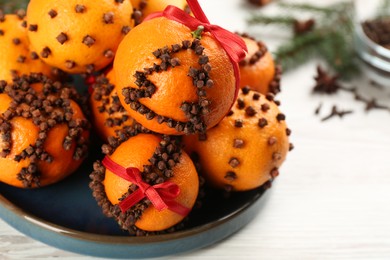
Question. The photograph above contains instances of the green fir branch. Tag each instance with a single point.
(299, 51)
(9, 6)
(335, 50)
(306, 7)
(331, 39)
(266, 20)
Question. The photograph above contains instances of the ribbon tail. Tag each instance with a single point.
(178, 208)
(197, 11)
(116, 168)
(131, 200)
(235, 48)
(233, 44)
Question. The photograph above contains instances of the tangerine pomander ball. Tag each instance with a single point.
(258, 70)
(173, 83)
(78, 36)
(247, 147)
(108, 114)
(44, 132)
(159, 160)
(15, 57)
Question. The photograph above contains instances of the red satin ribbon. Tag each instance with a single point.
(233, 45)
(161, 195)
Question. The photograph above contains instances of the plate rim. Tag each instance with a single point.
(127, 243)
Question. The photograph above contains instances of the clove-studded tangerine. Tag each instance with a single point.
(179, 81)
(160, 162)
(247, 148)
(108, 114)
(258, 70)
(15, 57)
(78, 36)
(44, 134)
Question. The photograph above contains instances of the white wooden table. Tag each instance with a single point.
(332, 199)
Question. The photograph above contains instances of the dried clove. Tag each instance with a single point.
(336, 112)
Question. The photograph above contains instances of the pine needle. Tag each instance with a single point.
(299, 51)
(307, 7)
(335, 49)
(280, 20)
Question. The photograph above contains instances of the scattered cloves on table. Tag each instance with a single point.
(318, 109)
(336, 112)
(376, 85)
(325, 83)
(370, 103)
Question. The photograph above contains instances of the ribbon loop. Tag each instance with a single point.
(233, 45)
(161, 195)
(197, 11)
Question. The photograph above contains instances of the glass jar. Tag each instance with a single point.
(369, 18)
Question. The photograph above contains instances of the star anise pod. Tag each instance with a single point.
(259, 2)
(302, 27)
(326, 83)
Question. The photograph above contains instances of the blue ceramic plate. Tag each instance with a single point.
(65, 215)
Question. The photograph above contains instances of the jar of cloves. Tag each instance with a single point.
(372, 38)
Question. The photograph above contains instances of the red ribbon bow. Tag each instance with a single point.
(161, 195)
(233, 45)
